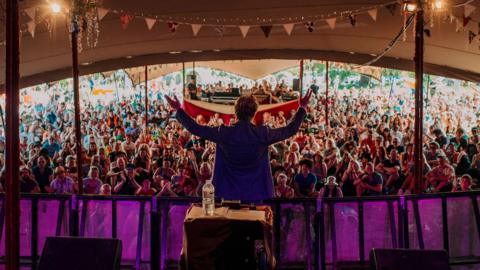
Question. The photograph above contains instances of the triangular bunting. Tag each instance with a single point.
(196, 29)
(452, 18)
(172, 26)
(353, 19)
(310, 27)
(469, 9)
(31, 28)
(150, 23)
(466, 20)
(288, 28)
(244, 30)
(266, 29)
(392, 8)
(102, 12)
(427, 32)
(458, 25)
(31, 12)
(373, 14)
(125, 19)
(471, 36)
(331, 22)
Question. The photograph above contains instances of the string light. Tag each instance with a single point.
(438, 4)
(56, 8)
(410, 7)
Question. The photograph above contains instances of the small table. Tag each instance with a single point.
(230, 239)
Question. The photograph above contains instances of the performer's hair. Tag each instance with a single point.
(245, 107)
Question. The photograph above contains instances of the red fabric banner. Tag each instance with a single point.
(207, 110)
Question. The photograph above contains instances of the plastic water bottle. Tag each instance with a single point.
(208, 198)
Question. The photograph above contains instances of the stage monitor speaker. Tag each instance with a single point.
(296, 85)
(74, 253)
(411, 259)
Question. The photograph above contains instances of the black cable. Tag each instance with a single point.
(393, 42)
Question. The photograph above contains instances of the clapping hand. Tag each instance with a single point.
(306, 99)
(174, 103)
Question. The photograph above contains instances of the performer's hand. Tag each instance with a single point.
(174, 103)
(306, 99)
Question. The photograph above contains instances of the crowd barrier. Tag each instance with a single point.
(308, 233)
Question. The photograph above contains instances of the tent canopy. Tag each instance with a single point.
(47, 56)
(251, 69)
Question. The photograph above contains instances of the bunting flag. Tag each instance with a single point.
(373, 14)
(125, 19)
(392, 8)
(468, 10)
(31, 12)
(172, 26)
(196, 29)
(150, 23)
(331, 22)
(353, 19)
(466, 20)
(471, 36)
(288, 28)
(310, 27)
(266, 29)
(452, 18)
(102, 12)
(31, 28)
(458, 25)
(220, 30)
(244, 29)
(427, 32)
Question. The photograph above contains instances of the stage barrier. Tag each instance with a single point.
(308, 233)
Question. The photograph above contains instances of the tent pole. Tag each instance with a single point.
(301, 79)
(12, 162)
(2, 118)
(326, 94)
(419, 100)
(183, 78)
(76, 97)
(146, 99)
(428, 91)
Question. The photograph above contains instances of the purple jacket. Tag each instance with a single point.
(242, 166)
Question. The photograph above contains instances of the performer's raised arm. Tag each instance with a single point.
(209, 133)
(283, 133)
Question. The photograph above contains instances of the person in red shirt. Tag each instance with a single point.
(146, 189)
(370, 143)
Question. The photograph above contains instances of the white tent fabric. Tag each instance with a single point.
(46, 56)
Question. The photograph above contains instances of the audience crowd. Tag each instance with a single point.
(365, 150)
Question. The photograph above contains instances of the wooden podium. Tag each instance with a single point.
(231, 239)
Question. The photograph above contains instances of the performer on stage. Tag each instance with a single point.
(242, 168)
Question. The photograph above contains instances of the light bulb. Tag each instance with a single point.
(438, 4)
(410, 7)
(56, 8)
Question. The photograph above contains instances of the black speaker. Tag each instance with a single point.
(411, 259)
(73, 253)
(296, 85)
